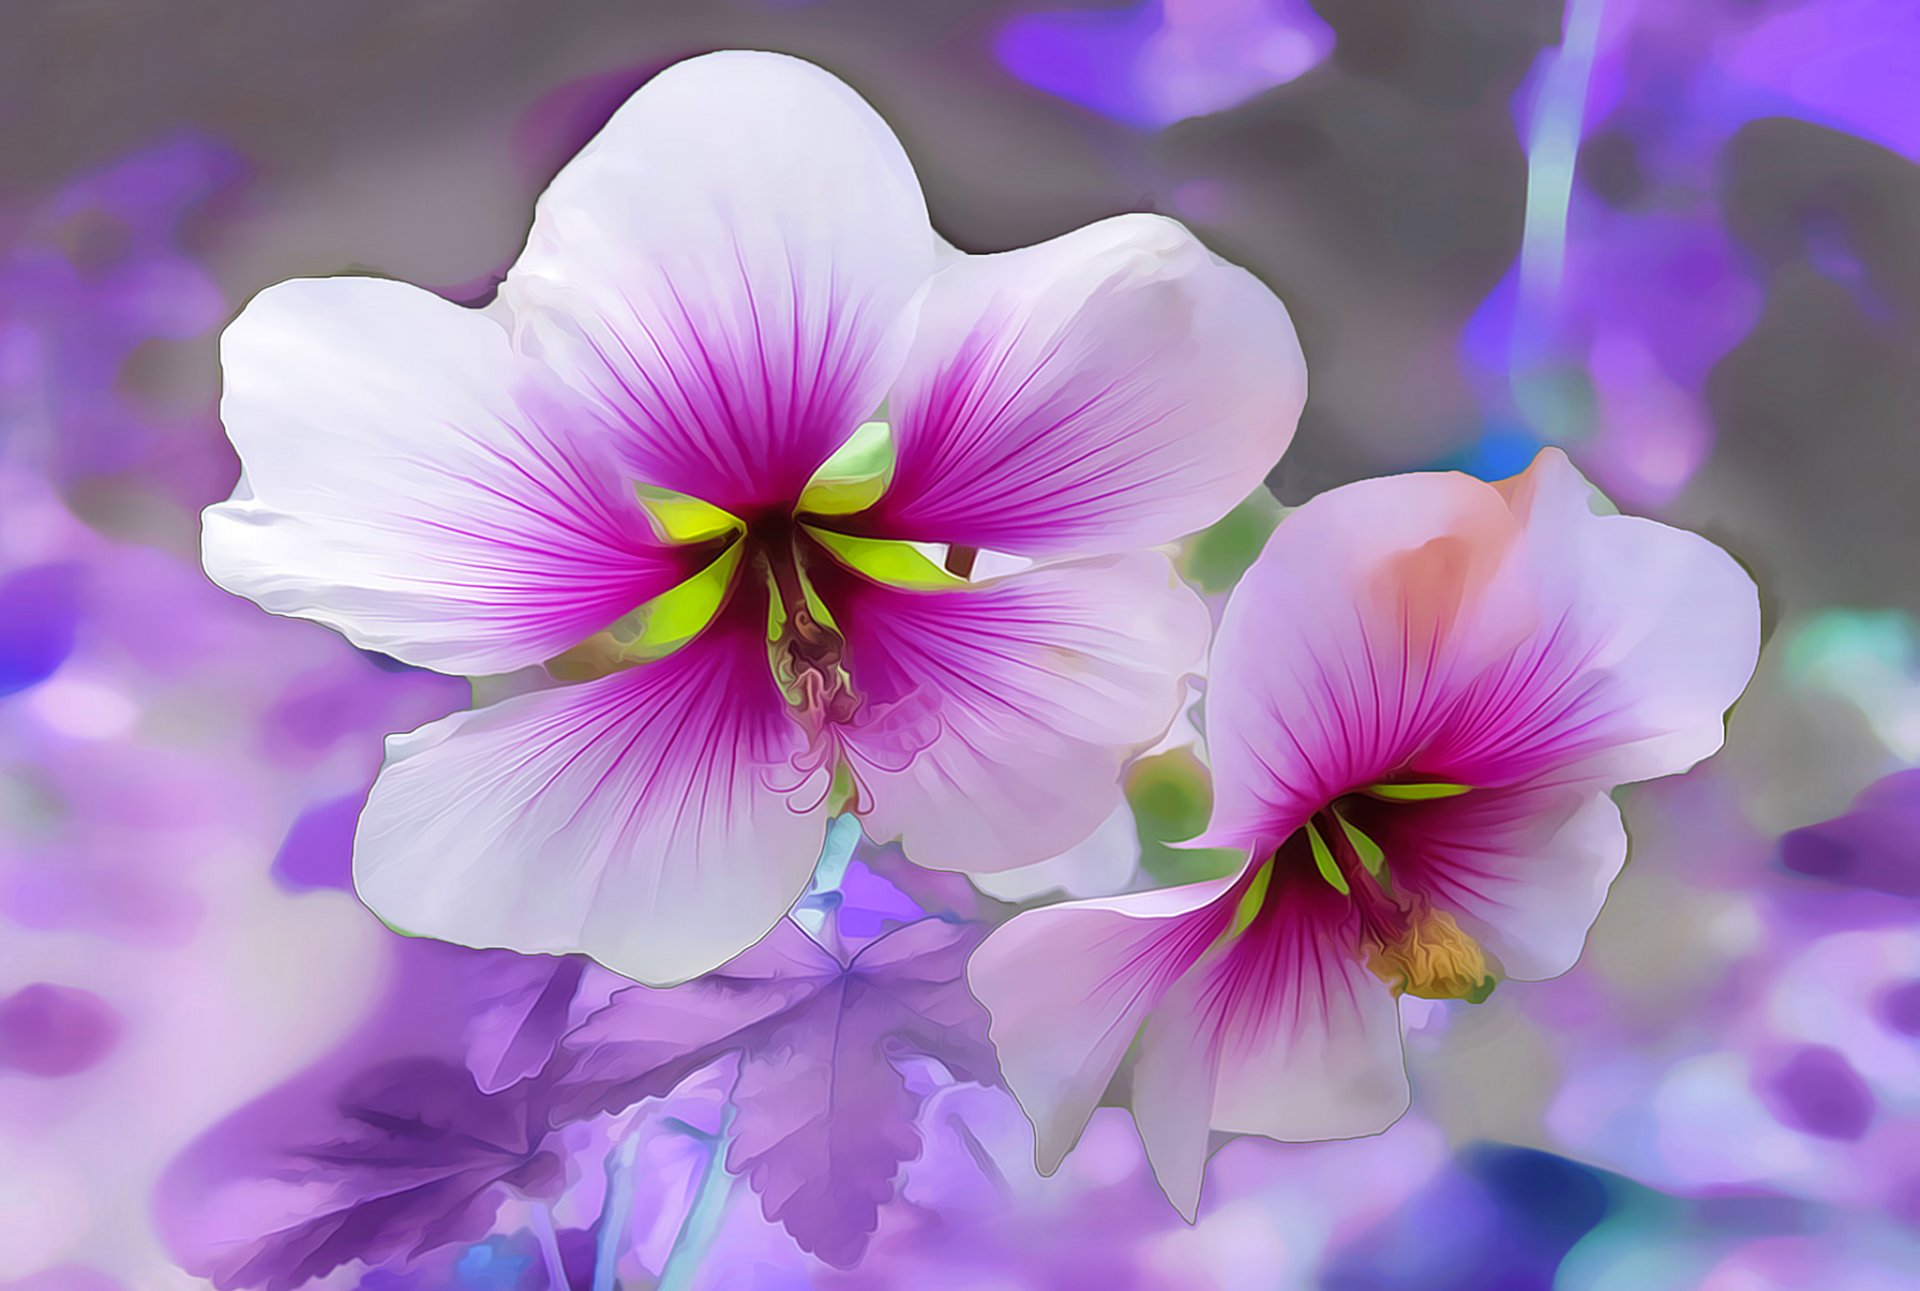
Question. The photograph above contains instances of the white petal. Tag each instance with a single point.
(638, 818)
(409, 483)
(1037, 687)
(1116, 387)
(1101, 864)
(727, 267)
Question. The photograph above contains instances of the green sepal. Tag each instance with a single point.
(897, 564)
(1251, 900)
(1374, 859)
(656, 629)
(855, 477)
(678, 518)
(1323, 857)
(1418, 792)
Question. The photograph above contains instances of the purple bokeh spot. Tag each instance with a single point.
(318, 851)
(49, 1031)
(1157, 63)
(97, 271)
(1817, 1091)
(39, 613)
(1874, 846)
(1900, 1007)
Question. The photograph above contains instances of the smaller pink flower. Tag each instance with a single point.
(1420, 697)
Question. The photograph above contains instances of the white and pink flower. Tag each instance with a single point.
(652, 463)
(1420, 697)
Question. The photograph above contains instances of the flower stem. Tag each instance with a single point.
(815, 908)
(541, 1226)
(702, 1220)
(611, 1229)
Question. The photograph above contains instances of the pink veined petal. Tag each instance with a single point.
(1113, 388)
(1034, 688)
(1068, 987)
(1368, 613)
(1436, 627)
(726, 267)
(410, 484)
(1647, 636)
(636, 818)
(1526, 870)
(1284, 1033)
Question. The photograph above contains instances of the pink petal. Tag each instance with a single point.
(1434, 627)
(639, 818)
(1648, 634)
(408, 484)
(726, 267)
(1033, 688)
(1068, 987)
(1525, 869)
(1286, 1034)
(1117, 387)
(1347, 640)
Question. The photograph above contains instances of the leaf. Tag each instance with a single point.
(823, 1117)
(1171, 796)
(1215, 557)
(419, 1160)
(524, 1004)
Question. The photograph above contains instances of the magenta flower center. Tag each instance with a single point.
(808, 652)
(1333, 872)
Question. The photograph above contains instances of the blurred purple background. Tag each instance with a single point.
(1681, 239)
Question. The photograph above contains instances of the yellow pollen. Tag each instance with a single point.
(1434, 960)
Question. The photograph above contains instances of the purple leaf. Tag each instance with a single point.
(823, 1118)
(419, 1159)
(526, 1003)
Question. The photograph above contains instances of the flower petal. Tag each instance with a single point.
(1357, 626)
(727, 267)
(1117, 387)
(1526, 869)
(1101, 864)
(637, 818)
(408, 483)
(1441, 629)
(1648, 635)
(1068, 987)
(1285, 1034)
(1034, 689)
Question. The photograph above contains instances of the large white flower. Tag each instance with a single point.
(652, 460)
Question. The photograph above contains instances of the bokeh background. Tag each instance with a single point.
(1679, 237)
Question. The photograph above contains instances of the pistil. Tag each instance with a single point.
(809, 654)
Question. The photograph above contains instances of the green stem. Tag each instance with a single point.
(549, 1243)
(701, 1224)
